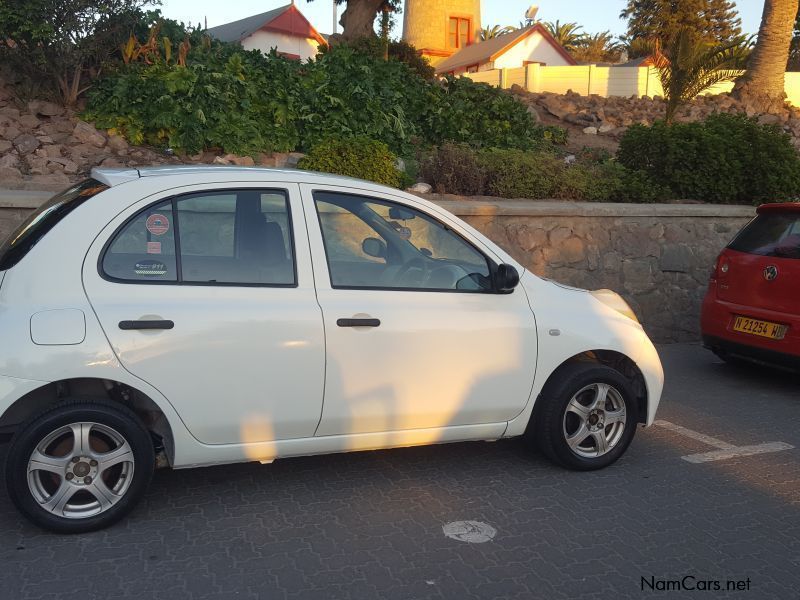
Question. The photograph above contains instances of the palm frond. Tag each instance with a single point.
(687, 67)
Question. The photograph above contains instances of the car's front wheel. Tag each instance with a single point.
(79, 466)
(586, 418)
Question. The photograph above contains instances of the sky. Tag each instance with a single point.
(594, 15)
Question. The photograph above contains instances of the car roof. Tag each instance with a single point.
(112, 177)
(779, 207)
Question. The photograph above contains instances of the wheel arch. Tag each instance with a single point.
(618, 361)
(106, 390)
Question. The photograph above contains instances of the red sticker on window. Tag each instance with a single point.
(154, 247)
(157, 224)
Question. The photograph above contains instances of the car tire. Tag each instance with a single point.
(573, 425)
(79, 466)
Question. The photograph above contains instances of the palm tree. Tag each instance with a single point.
(600, 47)
(763, 85)
(488, 33)
(687, 66)
(566, 34)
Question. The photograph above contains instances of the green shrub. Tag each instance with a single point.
(453, 169)
(724, 159)
(592, 177)
(482, 116)
(354, 157)
(518, 174)
(244, 102)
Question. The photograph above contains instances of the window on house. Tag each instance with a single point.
(459, 32)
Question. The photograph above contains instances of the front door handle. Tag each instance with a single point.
(132, 325)
(358, 323)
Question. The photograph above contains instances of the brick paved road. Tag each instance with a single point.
(369, 525)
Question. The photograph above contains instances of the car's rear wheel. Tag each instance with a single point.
(79, 466)
(586, 416)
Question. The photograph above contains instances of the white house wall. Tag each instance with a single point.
(533, 48)
(289, 44)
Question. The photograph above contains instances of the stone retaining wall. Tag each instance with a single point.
(658, 256)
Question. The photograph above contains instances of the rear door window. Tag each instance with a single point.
(43, 219)
(771, 234)
(236, 237)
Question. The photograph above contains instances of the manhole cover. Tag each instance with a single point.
(472, 532)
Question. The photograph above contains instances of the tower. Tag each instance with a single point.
(440, 28)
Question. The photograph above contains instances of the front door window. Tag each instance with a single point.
(382, 245)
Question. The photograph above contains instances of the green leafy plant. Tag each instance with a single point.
(358, 157)
(724, 159)
(221, 97)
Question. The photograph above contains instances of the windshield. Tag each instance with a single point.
(772, 234)
(43, 219)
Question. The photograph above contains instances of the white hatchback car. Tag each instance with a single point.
(199, 316)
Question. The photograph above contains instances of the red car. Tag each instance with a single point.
(752, 307)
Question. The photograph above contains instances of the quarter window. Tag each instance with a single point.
(377, 244)
(226, 237)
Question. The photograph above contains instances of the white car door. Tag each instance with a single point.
(209, 297)
(415, 338)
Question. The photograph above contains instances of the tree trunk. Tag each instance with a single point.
(358, 19)
(762, 88)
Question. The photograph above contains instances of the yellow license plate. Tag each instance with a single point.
(760, 328)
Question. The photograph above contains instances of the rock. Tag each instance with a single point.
(293, 159)
(243, 161)
(10, 111)
(769, 120)
(534, 114)
(52, 151)
(219, 160)
(37, 166)
(87, 134)
(111, 162)
(280, 158)
(676, 259)
(559, 235)
(26, 143)
(590, 130)
(9, 160)
(67, 165)
(9, 174)
(44, 108)
(572, 250)
(605, 128)
(117, 143)
(420, 188)
(5, 146)
(29, 122)
(11, 133)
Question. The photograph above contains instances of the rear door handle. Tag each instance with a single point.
(358, 323)
(131, 325)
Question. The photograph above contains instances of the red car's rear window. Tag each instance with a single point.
(43, 219)
(771, 234)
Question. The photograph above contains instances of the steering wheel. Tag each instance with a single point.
(414, 262)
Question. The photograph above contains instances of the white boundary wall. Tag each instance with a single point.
(603, 81)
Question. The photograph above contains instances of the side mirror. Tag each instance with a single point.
(506, 278)
(374, 247)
